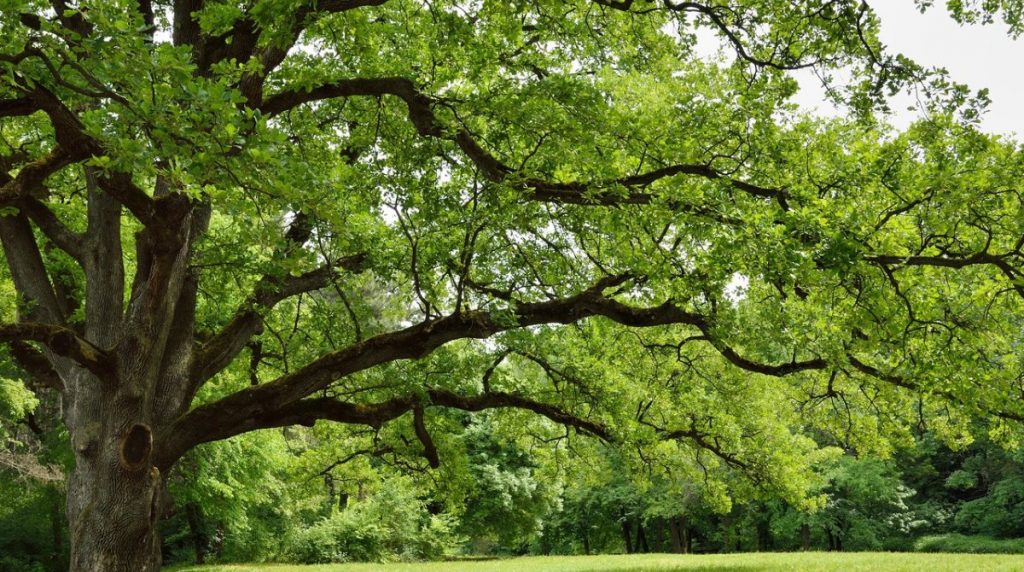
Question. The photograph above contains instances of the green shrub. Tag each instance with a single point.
(969, 544)
(392, 524)
(1000, 513)
(342, 537)
(31, 522)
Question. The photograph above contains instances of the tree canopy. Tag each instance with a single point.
(222, 216)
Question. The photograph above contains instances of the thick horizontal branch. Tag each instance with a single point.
(121, 187)
(62, 342)
(17, 107)
(604, 192)
(74, 145)
(309, 411)
(335, 6)
(940, 261)
(775, 370)
(420, 112)
(418, 341)
(236, 413)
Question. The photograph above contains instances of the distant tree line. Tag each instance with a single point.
(265, 497)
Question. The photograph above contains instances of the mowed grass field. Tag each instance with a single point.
(763, 562)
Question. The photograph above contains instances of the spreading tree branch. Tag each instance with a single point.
(268, 291)
(427, 124)
(17, 107)
(415, 342)
(58, 233)
(62, 342)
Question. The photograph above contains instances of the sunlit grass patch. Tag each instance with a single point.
(752, 562)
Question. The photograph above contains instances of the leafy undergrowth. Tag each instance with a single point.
(970, 544)
(763, 562)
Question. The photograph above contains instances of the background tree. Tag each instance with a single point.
(198, 195)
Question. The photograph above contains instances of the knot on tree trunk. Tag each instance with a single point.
(62, 342)
(136, 446)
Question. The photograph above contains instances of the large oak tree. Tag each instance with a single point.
(191, 187)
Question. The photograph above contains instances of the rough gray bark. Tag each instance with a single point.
(114, 493)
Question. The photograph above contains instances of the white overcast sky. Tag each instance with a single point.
(979, 56)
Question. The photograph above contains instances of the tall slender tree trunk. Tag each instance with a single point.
(641, 538)
(764, 536)
(197, 530)
(627, 538)
(686, 539)
(331, 492)
(675, 536)
(57, 521)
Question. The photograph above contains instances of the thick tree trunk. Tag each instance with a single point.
(116, 420)
(113, 514)
(832, 544)
(805, 536)
(658, 535)
(114, 491)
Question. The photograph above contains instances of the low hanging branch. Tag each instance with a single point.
(309, 411)
(415, 342)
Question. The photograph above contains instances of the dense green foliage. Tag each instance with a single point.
(969, 544)
(331, 280)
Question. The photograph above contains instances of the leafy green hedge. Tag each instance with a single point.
(969, 544)
(393, 524)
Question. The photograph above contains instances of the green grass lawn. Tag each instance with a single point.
(767, 562)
